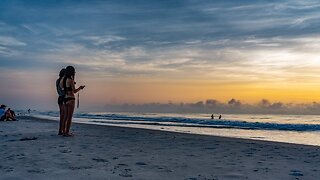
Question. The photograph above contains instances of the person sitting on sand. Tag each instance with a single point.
(60, 100)
(11, 114)
(2, 112)
(68, 85)
(6, 115)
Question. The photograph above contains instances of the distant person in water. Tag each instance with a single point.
(220, 116)
(68, 85)
(29, 111)
(60, 100)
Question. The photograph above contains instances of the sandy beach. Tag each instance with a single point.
(30, 149)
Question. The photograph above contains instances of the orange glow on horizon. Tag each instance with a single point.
(141, 91)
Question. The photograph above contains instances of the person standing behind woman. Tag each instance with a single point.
(60, 100)
(68, 85)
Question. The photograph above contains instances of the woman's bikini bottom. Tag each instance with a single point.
(68, 99)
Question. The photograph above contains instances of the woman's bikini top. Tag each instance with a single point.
(66, 89)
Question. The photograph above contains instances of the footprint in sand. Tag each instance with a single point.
(125, 165)
(210, 148)
(125, 173)
(37, 171)
(99, 160)
(160, 168)
(80, 167)
(11, 140)
(28, 139)
(124, 170)
(120, 166)
(295, 173)
(65, 151)
(8, 169)
(141, 163)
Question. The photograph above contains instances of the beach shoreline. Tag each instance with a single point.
(32, 149)
(264, 141)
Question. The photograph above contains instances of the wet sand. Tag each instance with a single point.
(31, 149)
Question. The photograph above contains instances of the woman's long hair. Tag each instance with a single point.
(62, 73)
(70, 72)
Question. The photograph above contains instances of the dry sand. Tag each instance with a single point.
(30, 149)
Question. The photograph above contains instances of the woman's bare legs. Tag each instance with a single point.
(68, 116)
(62, 114)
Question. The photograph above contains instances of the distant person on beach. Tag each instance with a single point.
(212, 117)
(60, 100)
(29, 111)
(220, 116)
(68, 85)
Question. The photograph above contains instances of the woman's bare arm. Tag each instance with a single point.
(74, 89)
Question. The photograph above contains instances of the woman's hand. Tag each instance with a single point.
(82, 87)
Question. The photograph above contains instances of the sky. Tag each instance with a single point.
(150, 51)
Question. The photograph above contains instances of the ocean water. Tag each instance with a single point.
(298, 129)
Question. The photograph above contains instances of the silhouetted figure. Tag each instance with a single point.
(212, 117)
(61, 94)
(29, 111)
(67, 84)
(3, 112)
(11, 115)
(12, 112)
(8, 115)
(220, 116)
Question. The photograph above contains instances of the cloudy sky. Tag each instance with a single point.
(160, 51)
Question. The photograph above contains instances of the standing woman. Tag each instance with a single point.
(60, 100)
(68, 85)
